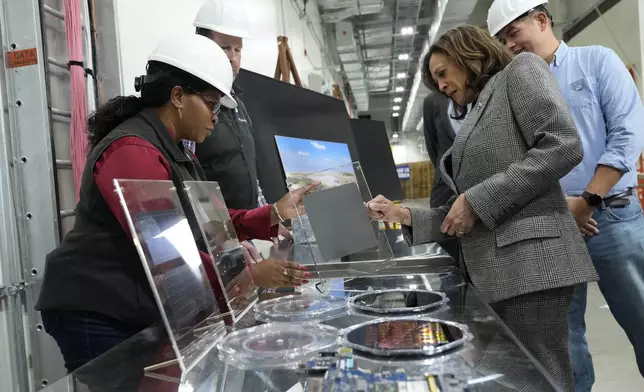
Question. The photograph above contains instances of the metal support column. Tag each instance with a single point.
(28, 206)
(35, 167)
(640, 32)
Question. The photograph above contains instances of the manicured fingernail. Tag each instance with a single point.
(304, 268)
(308, 275)
(306, 281)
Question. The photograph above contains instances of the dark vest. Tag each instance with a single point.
(97, 268)
(228, 157)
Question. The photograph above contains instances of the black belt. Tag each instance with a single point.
(619, 200)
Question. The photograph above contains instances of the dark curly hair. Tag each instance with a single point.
(473, 49)
(153, 95)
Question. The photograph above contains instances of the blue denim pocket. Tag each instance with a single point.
(628, 213)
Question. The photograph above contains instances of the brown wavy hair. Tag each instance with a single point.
(476, 51)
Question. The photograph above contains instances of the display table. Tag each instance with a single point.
(493, 360)
(409, 259)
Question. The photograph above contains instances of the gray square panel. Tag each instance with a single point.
(339, 221)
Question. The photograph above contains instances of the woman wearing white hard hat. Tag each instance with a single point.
(95, 293)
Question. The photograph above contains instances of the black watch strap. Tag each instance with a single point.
(592, 199)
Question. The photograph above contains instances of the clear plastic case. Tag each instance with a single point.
(276, 345)
(301, 308)
(398, 301)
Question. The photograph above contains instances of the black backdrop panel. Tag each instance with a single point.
(376, 159)
(278, 108)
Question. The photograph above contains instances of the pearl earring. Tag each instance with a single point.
(180, 114)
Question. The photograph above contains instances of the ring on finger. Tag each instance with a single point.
(285, 272)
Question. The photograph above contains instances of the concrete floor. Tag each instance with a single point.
(615, 367)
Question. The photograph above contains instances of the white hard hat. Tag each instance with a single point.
(203, 59)
(504, 12)
(224, 16)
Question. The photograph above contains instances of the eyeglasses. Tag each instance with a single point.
(214, 106)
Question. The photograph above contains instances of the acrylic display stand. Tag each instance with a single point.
(334, 224)
(175, 269)
(239, 293)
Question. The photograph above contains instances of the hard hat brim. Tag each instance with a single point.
(228, 101)
(226, 31)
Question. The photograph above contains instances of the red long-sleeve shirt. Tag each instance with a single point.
(116, 163)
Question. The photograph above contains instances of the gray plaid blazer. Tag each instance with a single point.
(516, 144)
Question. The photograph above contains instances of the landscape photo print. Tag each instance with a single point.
(306, 161)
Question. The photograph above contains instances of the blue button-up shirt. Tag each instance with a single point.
(607, 110)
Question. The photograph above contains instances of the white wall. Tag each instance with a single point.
(144, 23)
(618, 29)
(407, 151)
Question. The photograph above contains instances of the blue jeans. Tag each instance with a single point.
(618, 255)
(84, 336)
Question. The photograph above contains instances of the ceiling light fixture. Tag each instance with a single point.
(402, 75)
(407, 31)
(400, 89)
(398, 99)
(403, 57)
(396, 114)
(396, 108)
(395, 135)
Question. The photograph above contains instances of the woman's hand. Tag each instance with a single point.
(273, 273)
(290, 206)
(460, 219)
(284, 232)
(251, 254)
(381, 208)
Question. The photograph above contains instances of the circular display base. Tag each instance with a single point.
(399, 301)
(302, 308)
(278, 342)
(275, 345)
(405, 336)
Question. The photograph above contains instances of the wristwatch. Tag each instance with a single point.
(592, 199)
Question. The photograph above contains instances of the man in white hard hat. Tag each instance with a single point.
(609, 115)
(228, 154)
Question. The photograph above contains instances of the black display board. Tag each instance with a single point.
(278, 108)
(377, 161)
